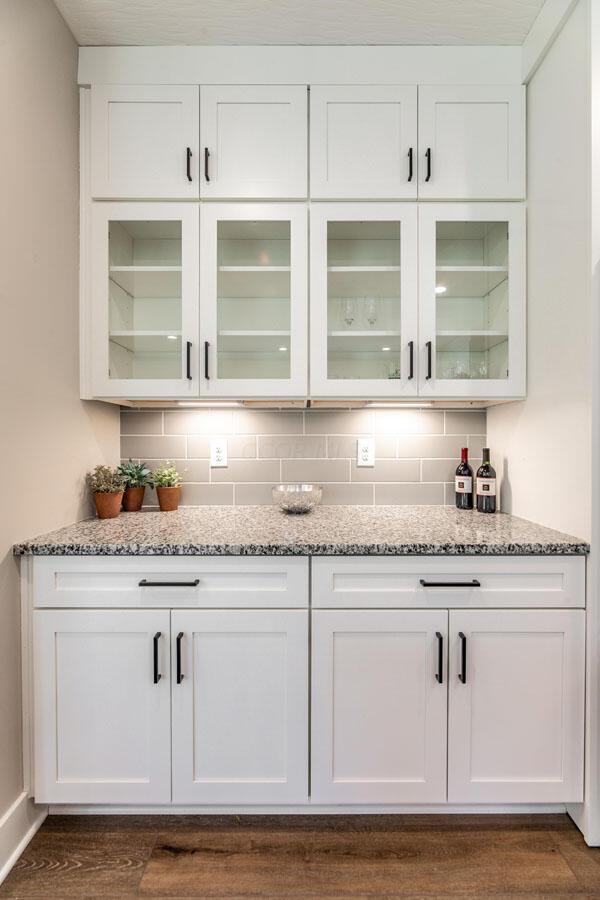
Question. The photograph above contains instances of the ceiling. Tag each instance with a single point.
(307, 22)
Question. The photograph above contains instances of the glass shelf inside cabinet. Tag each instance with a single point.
(472, 300)
(144, 295)
(253, 300)
(363, 300)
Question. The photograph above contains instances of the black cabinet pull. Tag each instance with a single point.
(462, 675)
(144, 583)
(411, 359)
(178, 646)
(189, 164)
(428, 345)
(206, 158)
(450, 584)
(410, 164)
(206, 372)
(428, 158)
(440, 672)
(157, 675)
(188, 360)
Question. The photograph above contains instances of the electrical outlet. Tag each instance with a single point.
(365, 452)
(218, 453)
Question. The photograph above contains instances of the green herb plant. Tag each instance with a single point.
(166, 475)
(135, 474)
(104, 480)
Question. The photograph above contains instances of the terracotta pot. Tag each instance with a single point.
(168, 498)
(108, 506)
(133, 498)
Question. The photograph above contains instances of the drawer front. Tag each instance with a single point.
(494, 581)
(154, 581)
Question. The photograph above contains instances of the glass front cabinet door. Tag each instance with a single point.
(253, 289)
(144, 312)
(364, 300)
(472, 300)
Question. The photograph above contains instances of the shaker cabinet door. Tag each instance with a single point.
(102, 706)
(144, 141)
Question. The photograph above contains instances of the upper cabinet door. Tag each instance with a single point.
(145, 141)
(254, 142)
(472, 142)
(363, 142)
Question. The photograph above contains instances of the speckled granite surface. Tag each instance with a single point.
(329, 530)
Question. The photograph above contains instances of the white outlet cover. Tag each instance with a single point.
(218, 453)
(365, 452)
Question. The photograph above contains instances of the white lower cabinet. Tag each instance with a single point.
(379, 706)
(240, 706)
(102, 706)
(516, 708)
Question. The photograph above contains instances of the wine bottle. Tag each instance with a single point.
(463, 481)
(486, 485)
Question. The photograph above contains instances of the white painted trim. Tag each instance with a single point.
(300, 65)
(338, 809)
(85, 244)
(17, 826)
(543, 33)
(26, 575)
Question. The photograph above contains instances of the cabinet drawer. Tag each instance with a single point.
(498, 581)
(153, 581)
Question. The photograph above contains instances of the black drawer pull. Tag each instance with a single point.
(206, 366)
(157, 675)
(450, 584)
(410, 164)
(462, 675)
(178, 645)
(428, 346)
(440, 672)
(189, 164)
(411, 359)
(188, 360)
(206, 158)
(428, 158)
(144, 583)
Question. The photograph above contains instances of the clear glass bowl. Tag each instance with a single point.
(297, 498)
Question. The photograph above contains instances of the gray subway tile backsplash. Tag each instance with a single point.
(416, 452)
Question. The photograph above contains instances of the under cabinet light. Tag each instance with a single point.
(440, 288)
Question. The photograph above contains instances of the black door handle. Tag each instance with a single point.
(440, 672)
(144, 583)
(206, 372)
(157, 675)
(189, 164)
(428, 345)
(462, 675)
(450, 584)
(428, 158)
(178, 646)
(410, 164)
(411, 359)
(206, 158)
(188, 360)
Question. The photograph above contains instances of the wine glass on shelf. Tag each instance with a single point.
(349, 312)
(371, 311)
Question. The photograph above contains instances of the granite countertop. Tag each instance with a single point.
(327, 531)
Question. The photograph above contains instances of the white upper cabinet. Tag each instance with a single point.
(254, 142)
(144, 141)
(253, 289)
(363, 142)
(472, 142)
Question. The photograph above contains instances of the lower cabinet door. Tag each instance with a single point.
(240, 706)
(379, 706)
(516, 711)
(102, 706)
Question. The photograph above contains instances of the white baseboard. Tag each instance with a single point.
(17, 826)
(307, 810)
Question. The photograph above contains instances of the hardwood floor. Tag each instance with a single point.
(302, 856)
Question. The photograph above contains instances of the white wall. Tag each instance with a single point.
(48, 437)
(542, 446)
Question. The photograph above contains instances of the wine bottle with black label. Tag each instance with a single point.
(486, 485)
(463, 481)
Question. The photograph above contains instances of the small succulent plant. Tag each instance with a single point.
(166, 475)
(104, 480)
(135, 474)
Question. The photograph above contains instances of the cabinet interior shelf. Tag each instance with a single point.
(471, 269)
(254, 341)
(363, 341)
(148, 281)
(148, 341)
(340, 269)
(475, 341)
(254, 269)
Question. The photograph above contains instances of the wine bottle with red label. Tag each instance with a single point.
(486, 485)
(463, 482)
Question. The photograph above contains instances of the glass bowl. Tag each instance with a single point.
(297, 498)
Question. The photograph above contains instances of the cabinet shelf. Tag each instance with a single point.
(363, 268)
(474, 341)
(253, 269)
(253, 341)
(148, 281)
(363, 341)
(148, 341)
(469, 281)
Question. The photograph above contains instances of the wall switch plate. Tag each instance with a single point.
(218, 453)
(365, 452)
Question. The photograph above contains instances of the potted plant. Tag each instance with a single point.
(167, 481)
(107, 486)
(136, 476)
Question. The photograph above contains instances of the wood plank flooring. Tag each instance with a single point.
(354, 857)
